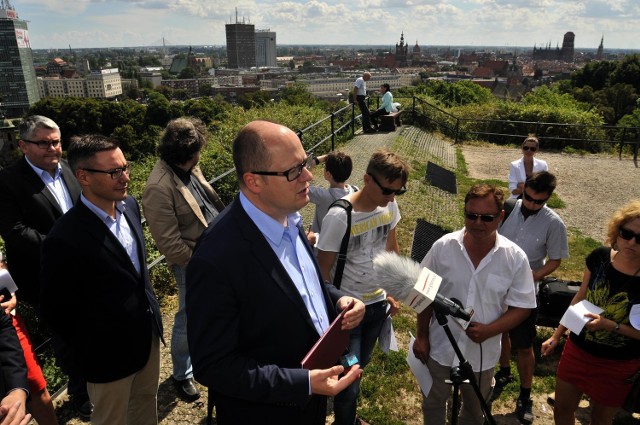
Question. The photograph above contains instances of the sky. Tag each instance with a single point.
(120, 23)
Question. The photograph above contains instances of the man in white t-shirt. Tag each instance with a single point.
(488, 273)
(373, 229)
(360, 97)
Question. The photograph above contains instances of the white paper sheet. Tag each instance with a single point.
(387, 339)
(574, 318)
(6, 281)
(419, 369)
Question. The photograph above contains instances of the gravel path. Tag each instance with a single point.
(592, 186)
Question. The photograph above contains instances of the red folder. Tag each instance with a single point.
(331, 345)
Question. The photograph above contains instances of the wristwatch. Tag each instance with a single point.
(316, 160)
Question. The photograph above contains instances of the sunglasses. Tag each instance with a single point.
(529, 148)
(535, 201)
(386, 191)
(627, 235)
(487, 218)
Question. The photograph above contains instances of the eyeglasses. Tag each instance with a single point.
(115, 174)
(535, 201)
(531, 148)
(627, 235)
(487, 218)
(292, 173)
(44, 144)
(386, 191)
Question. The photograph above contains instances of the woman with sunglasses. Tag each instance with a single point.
(598, 361)
(525, 166)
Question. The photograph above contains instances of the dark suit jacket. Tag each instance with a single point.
(93, 297)
(249, 328)
(12, 365)
(28, 210)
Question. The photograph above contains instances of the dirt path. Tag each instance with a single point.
(593, 187)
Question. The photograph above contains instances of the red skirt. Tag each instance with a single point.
(35, 377)
(601, 379)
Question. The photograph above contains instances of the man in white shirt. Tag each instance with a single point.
(360, 96)
(487, 273)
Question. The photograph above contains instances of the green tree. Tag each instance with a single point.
(157, 110)
(616, 101)
(255, 99)
(187, 73)
(209, 110)
(297, 94)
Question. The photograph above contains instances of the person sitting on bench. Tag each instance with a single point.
(385, 108)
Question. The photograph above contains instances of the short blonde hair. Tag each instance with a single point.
(627, 213)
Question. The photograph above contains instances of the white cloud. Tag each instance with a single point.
(441, 22)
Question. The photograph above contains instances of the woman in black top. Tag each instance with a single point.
(607, 351)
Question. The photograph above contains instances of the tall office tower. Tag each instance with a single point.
(265, 48)
(18, 84)
(241, 44)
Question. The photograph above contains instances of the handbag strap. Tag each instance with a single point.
(342, 255)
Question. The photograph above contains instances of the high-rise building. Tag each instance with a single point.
(18, 85)
(266, 48)
(241, 44)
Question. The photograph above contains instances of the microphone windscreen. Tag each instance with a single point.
(395, 274)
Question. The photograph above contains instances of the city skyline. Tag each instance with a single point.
(113, 23)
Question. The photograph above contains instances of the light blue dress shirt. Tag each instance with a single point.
(119, 227)
(295, 258)
(55, 185)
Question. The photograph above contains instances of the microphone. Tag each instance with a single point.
(417, 286)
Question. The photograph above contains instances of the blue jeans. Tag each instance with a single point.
(182, 368)
(361, 343)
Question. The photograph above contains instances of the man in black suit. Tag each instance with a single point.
(256, 302)
(37, 189)
(96, 292)
(13, 376)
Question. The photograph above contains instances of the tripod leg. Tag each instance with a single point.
(455, 405)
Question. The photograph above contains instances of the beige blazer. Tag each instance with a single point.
(173, 215)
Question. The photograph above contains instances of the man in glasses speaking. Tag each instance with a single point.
(541, 233)
(256, 303)
(488, 273)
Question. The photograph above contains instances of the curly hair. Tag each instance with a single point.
(627, 213)
(182, 138)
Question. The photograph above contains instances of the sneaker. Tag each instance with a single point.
(524, 411)
(501, 381)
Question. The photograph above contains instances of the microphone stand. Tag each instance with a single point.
(466, 372)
